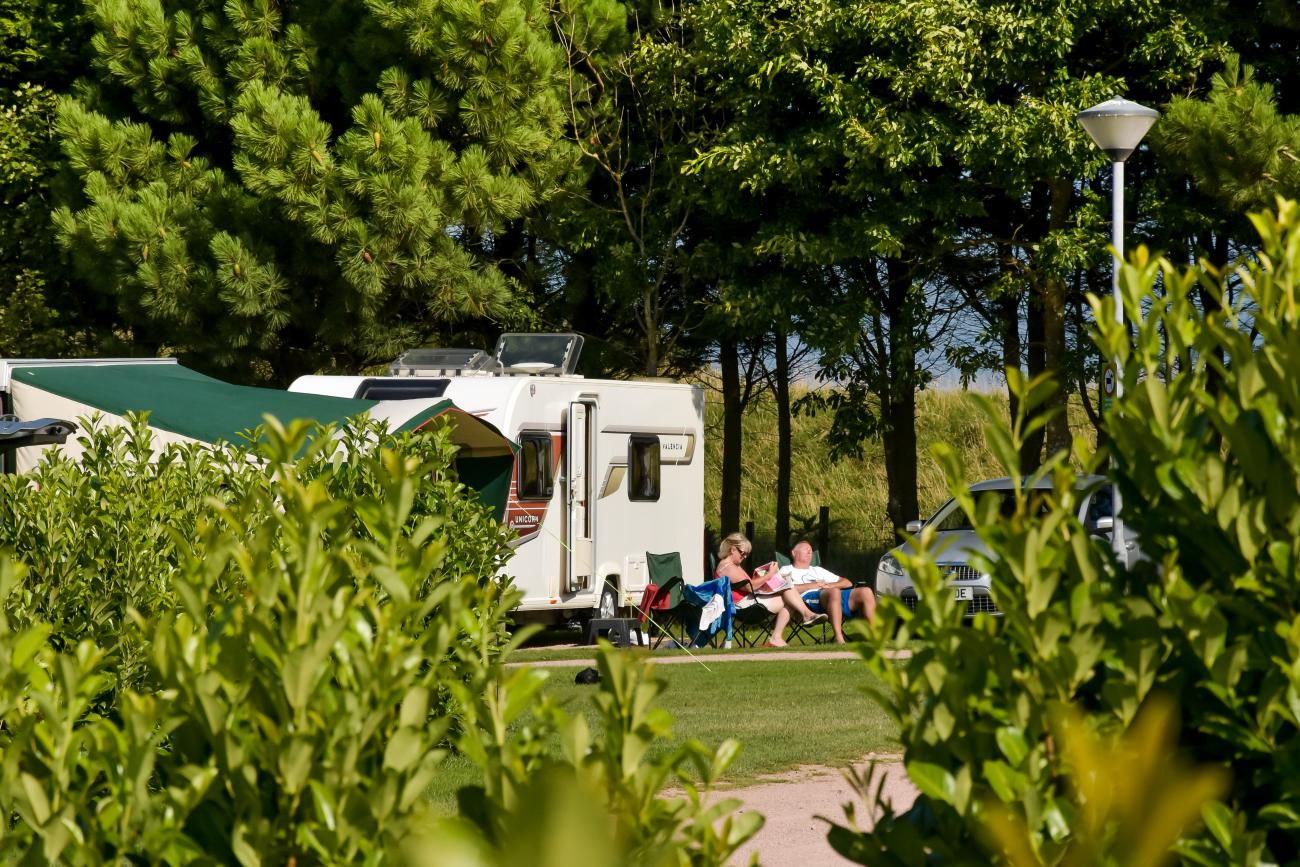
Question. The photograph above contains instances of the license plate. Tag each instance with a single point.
(964, 594)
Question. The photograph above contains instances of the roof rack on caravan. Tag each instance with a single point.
(443, 362)
(515, 355)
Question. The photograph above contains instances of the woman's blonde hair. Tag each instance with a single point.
(735, 540)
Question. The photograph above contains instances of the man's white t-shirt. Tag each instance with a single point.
(809, 575)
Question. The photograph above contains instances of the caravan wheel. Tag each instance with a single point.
(608, 607)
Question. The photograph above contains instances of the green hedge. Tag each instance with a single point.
(262, 656)
(1112, 716)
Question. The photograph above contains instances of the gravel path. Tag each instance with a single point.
(710, 658)
(792, 834)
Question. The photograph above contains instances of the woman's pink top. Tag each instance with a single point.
(736, 595)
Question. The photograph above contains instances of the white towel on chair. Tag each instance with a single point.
(711, 611)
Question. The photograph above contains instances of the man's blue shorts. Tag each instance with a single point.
(813, 600)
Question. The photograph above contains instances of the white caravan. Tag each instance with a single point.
(607, 470)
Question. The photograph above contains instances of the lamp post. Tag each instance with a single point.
(1117, 126)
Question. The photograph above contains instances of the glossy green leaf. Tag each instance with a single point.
(933, 781)
(404, 749)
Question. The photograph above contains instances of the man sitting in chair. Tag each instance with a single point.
(823, 590)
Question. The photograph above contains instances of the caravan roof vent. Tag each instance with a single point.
(443, 362)
(539, 354)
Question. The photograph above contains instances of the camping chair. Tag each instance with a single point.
(798, 632)
(784, 560)
(662, 604)
(721, 626)
(753, 625)
(710, 553)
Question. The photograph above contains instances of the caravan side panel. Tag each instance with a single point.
(665, 419)
(527, 412)
(659, 423)
(647, 424)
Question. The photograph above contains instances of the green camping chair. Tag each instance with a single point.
(753, 625)
(663, 607)
(711, 543)
(798, 632)
(783, 560)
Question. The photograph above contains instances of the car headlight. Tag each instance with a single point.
(889, 565)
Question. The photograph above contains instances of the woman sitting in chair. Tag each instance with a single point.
(747, 589)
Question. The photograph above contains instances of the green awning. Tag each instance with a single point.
(191, 405)
(486, 460)
(184, 402)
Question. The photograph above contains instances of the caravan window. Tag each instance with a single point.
(643, 468)
(534, 466)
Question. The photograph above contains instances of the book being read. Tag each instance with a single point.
(768, 580)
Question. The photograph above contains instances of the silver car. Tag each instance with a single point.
(956, 542)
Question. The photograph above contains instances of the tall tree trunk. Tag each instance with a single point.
(899, 440)
(1055, 356)
(1079, 319)
(1221, 249)
(1212, 307)
(651, 323)
(1031, 452)
(898, 403)
(729, 499)
(1012, 348)
(510, 248)
(1054, 359)
(781, 387)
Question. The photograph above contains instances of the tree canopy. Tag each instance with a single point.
(268, 188)
(308, 186)
(884, 150)
(44, 50)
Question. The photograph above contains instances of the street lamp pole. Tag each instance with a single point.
(1117, 126)
(1117, 241)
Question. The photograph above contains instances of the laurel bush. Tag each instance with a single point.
(262, 654)
(1204, 447)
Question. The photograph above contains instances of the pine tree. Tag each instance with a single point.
(1225, 154)
(40, 52)
(273, 187)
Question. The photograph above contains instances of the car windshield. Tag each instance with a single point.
(1102, 505)
(951, 518)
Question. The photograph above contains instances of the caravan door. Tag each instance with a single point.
(578, 462)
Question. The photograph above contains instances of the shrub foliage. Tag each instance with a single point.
(1203, 448)
(262, 655)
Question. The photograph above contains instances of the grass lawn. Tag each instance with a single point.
(785, 713)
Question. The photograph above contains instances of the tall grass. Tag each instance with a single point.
(854, 488)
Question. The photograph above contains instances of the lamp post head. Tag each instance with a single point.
(1117, 126)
